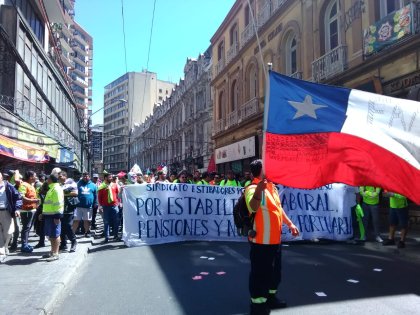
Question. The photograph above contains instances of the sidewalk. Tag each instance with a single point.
(31, 285)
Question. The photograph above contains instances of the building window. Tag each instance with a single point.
(389, 6)
(332, 26)
(252, 81)
(221, 105)
(248, 14)
(234, 96)
(291, 54)
(234, 35)
(221, 51)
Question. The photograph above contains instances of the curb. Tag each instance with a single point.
(66, 278)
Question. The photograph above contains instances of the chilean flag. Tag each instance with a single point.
(317, 134)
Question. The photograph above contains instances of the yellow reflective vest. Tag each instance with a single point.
(54, 200)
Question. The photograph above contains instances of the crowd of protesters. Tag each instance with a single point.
(59, 207)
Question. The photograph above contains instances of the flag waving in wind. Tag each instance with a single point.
(318, 134)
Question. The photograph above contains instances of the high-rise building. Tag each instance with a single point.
(96, 148)
(40, 116)
(128, 100)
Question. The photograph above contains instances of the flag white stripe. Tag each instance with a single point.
(391, 123)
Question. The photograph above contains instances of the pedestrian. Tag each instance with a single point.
(87, 194)
(71, 200)
(263, 202)
(370, 206)
(96, 181)
(161, 178)
(205, 179)
(13, 177)
(10, 204)
(230, 180)
(27, 213)
(108, 200)
(39, 224)
(52, 211)
(398, 215)
(247, 179)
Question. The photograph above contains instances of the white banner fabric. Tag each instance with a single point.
(164, 213)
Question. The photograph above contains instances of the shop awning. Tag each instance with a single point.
(17, 150)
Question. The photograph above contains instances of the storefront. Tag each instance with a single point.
(237, 156)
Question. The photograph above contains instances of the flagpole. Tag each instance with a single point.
(265, 116)
(265, 72)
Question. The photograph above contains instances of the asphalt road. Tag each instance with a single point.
(212, 278)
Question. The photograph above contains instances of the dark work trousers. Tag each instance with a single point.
(66, 228)
(94, 213)
(26, 218)
(265, 272)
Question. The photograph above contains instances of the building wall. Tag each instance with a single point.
(128, 101)
(320, 40)
(177, 134)
(43, 105)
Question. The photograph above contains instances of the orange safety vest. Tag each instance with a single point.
(268, 219)
(31, 194)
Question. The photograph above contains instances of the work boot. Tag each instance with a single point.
(63, 247)
(73, 246)
(274, 302)
(39, 245)
(259, 309)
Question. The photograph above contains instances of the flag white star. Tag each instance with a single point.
(306, 108)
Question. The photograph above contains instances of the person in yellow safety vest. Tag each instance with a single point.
(370, 206)
(263, 200)
(230, 180)
(51, 213)
(205, 179)
(398, 214)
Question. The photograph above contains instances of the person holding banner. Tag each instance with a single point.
(263, 202)
(370, 205)
(398, 215)
(108, 200)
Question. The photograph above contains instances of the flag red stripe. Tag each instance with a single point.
(313, 160)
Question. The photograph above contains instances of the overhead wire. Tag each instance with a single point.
(123, 25)
(148, 57)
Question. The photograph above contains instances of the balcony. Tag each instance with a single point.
(276, 5)
(296, 75)
(231, 119)
(264, 14)
(219, 66)
(247, 34)
(232, 52)
(391, 29)
(219, 126)
(248, 109)
(332, 63)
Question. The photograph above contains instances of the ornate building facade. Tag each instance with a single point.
(178, 132)
(370, 45)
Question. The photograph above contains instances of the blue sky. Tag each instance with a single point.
(182, 29)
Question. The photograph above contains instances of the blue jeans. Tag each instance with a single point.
(111, 219)
(26, 218)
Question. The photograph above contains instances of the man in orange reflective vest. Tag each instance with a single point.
(263, 201)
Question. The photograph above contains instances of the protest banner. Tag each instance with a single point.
(164, 213)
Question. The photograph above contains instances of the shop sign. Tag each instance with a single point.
(236, 151)
(402, 83)
(26, 133)
(16, 150)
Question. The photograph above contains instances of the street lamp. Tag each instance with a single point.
(82, 135)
